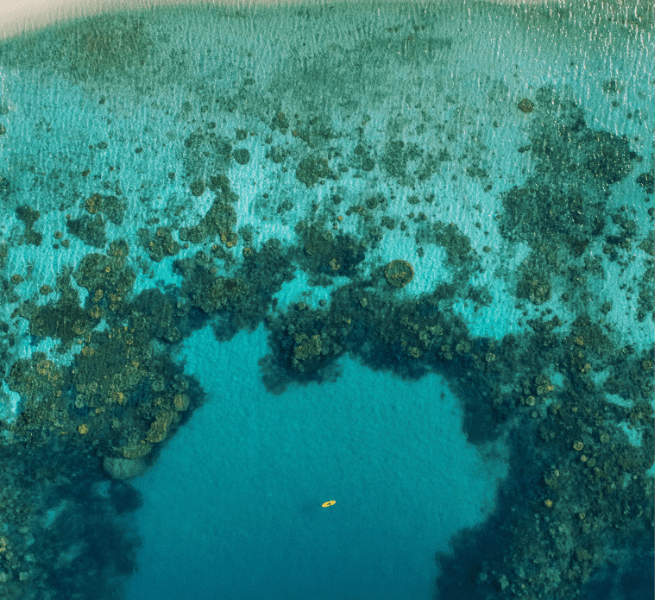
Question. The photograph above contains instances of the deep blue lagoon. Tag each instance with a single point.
(255, 468)
(344, 301)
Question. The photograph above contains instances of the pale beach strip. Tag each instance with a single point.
(19, 16)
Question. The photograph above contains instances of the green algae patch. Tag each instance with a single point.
(219, 220)
(110, 206)
(91, 230)
(311, 169)
(206, 290)
(161, 244)
(160, 426)
(29, 217)
(399, 273)
(107, 278)
(326, 254)
(241, 156)
(64, 319)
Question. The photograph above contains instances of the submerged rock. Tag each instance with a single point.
(399, 273)
(124, 468)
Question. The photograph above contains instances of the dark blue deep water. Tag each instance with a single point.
(347, 301)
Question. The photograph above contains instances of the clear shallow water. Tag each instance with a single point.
(401, 259)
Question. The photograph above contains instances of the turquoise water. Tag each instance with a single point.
(398, 258)
(241, 487)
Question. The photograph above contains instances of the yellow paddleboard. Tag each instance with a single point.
(328, 503)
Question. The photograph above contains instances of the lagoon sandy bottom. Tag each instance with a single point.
(233, 508)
